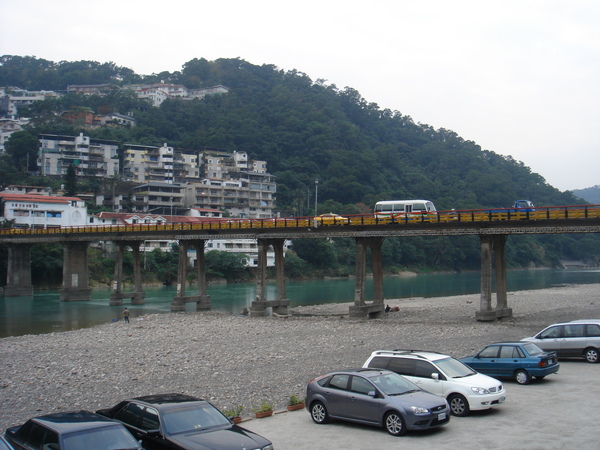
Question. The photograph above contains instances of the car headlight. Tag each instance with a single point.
(268, 447)
(480, 390)
(419, 410)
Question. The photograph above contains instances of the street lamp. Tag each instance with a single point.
(316, 194)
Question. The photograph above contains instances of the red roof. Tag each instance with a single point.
(36, 198)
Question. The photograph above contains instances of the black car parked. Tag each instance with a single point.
(177, 421)
(71, 431)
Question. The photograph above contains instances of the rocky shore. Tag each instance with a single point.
(237, 360)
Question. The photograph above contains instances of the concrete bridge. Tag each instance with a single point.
(493, 229)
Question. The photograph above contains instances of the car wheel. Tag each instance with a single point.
(394, 424)
(591, 355)
(458, 405)
(319, 413)
(522, 377)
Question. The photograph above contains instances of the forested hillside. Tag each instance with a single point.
(307, 129)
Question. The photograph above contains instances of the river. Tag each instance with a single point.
(44, 313)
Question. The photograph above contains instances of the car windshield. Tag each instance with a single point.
(192, 418)
(532, 349)
(106, 438)
(454, 368)
(393, 384)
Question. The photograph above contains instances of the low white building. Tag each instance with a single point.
(42, 211)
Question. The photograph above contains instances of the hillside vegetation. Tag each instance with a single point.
(306, 130)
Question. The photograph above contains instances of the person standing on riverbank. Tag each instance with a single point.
(126, 315)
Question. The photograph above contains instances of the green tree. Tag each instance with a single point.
(22, 146)
(230, 266)
(71, 181)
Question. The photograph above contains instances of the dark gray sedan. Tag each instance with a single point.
(177, 421)
(375, 397)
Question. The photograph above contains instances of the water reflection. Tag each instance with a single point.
(44, 313)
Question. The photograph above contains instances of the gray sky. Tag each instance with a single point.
(520, 78)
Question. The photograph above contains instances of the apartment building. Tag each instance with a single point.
(145, 163)
(90, 157)
(226, 181)
(159, 198)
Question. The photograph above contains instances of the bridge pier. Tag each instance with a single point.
(18, 277)
(362, 309)
(202, 299)
(117, 295)
(493, 245)
(260, 304)
(76, 277)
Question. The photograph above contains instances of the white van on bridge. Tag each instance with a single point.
(399, 209)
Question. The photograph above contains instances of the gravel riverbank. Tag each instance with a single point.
(237, 360)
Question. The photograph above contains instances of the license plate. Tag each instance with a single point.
(550, 362)
(442, 416)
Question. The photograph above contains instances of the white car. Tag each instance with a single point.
(465, 389)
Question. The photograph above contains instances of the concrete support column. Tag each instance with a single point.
(116, 297)
(178, 303)
(138, 294)
(260, 304)
(361, 309)
(502, 309)
(485, 312)
(76, 277)
(377, 270)
(283, 302)
(18, 277)
(203, 299)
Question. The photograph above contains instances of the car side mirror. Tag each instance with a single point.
(435, 376)
(153, 433)
(372, 393)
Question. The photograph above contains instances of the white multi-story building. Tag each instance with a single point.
(159, 92)
(12, 98)
(90, 157)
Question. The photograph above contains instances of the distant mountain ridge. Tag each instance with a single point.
(591, 194)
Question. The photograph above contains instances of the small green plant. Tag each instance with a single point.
(264, 407)
(295, 400)
(233, 412)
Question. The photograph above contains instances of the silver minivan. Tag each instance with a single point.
(576, 339)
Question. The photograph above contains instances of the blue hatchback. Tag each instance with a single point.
(518, 360)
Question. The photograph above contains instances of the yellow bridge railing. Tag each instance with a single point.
(579, 212)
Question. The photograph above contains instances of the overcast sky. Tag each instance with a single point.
(520, 78)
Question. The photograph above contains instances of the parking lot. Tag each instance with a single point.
(558, 412)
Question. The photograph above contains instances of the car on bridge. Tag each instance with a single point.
(177, 421)
(330, 219)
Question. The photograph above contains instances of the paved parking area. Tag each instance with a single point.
(558, 412)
